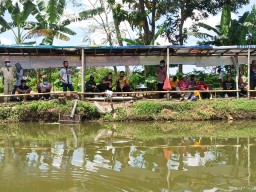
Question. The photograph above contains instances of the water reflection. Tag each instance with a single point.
(90, 158)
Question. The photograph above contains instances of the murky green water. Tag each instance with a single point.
(128, 157)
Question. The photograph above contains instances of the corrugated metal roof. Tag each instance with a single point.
(137, 50)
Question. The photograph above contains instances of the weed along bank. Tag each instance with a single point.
(48, 111)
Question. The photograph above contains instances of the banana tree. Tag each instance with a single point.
(229, 32)
(250, 23)
(19, 24)
(50, 22)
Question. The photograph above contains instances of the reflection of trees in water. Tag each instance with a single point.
(191, 162)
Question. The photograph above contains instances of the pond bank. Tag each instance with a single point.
(150, 110)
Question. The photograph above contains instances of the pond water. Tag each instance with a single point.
(200, 156)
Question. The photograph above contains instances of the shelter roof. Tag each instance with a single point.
(175, 50)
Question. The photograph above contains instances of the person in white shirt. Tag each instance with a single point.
(66, 77)
(9, 73)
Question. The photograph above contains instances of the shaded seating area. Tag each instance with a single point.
(33, 57)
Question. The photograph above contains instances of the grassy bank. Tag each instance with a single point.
(48, 111)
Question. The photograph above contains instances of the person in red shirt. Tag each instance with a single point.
(201, 85)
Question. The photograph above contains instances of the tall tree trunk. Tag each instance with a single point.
(181, 39)
(145, 23)
(119, 36)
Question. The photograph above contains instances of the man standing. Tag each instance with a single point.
(9, 74)
(161, 75)
(253, 75)
(66, 75)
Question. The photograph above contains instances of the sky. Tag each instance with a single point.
(81, 27)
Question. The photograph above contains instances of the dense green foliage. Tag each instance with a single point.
(188, 111)
(47, 111)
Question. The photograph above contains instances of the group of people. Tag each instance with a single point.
(16, 73)
(122, 83)
(192, 84)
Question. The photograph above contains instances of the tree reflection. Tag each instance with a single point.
(113, 162)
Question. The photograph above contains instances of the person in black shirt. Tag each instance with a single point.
(253, 75)
(90, 85)
(106, 83)
(23, 88)
(229, 84)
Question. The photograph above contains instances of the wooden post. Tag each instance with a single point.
(83, 74)
(168, 66)
(235, 63)
(249, 74)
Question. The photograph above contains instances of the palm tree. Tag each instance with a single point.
(19, 16)
(50, 20)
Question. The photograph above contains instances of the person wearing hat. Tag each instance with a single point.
(253, 75)
(9, 73)
(19, 77)
(90, 85)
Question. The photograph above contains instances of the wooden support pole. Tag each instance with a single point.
(83, 74)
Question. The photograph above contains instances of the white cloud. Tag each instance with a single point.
(6, 41)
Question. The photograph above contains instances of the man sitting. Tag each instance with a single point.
(24, 89)
(229, 84)
(106, 83)
(122, 84)
(90, 85)
(44, 87)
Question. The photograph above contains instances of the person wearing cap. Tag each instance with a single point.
(90, 86)
(253, 75)
(9, 73)
(19, 77)
(44, 87)
(122, 84)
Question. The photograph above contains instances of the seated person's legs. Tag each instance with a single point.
(126, 88)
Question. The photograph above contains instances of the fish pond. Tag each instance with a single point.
(155, 156)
